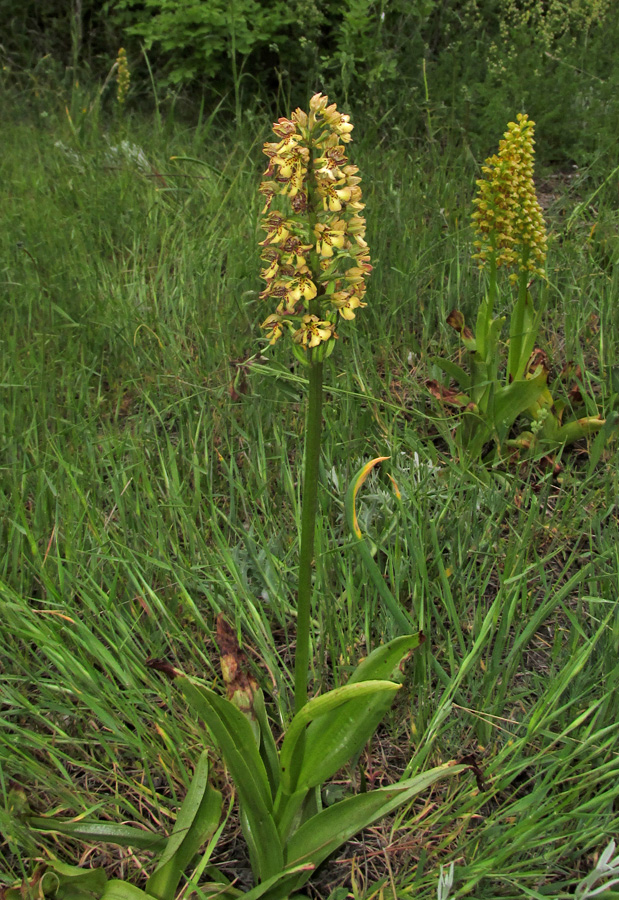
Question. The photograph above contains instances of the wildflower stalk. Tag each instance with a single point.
(515, 363)
(316, 260)
(313, 428)
(309, 501)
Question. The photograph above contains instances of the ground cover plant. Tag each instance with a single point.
(152, 449)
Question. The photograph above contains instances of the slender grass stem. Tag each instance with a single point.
(308, 522)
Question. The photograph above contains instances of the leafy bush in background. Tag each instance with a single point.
(453, 70)
(555, 59)
(197, 40)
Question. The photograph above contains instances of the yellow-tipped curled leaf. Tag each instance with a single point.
(403, 621)
(353, 490)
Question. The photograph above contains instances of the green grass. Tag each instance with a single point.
(151, 454)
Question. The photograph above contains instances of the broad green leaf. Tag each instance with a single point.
(289, 811)
(522, 337)
(456, 372)
(339, 699)
(333, 739)
(122, 890)
(268, 750)
(512, 400)
(496, 326)
(579, 428)
(196, 822)
(482, 325)
(70, 891)
(234, 736)
(385, 662)
(532, 324)
(332, 827)
(235, 739)
(100, 832)
(66, 882)
(327, 745)
(279, 886)
(94, 876)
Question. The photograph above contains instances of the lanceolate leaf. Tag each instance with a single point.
(325, 832)
(510, 401)
(342, 701)
(386, 661)
(65, 882)
(268, 750)
(332, 740)
(454, 371)
(122, 890)
(100, 832)
(235, 739)
(196, 822)
(279, 887)
(532, 324)
(494, 331)
(579, 428)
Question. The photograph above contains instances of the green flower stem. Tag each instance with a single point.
(486, 310)
(492, 356)
(313, 425)
(481, 364)
(515, 365)
(492, 289)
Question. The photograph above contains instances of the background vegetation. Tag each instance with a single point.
(151, 443)
(469, 60)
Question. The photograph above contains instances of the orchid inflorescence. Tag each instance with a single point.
(316, 259)
(508, 219)
(123, 77)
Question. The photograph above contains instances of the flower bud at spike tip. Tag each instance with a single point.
(314, 252)
(508, 220)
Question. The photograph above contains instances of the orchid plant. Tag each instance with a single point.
(511, 236)
(316, 261)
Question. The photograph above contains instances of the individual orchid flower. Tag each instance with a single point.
(274, 326)
(312, 332)
(302, 287)
(331, 236)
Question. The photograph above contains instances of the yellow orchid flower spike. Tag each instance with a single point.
(315, 254)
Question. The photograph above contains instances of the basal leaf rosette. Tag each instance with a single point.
(315, 255)
(508, 220)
